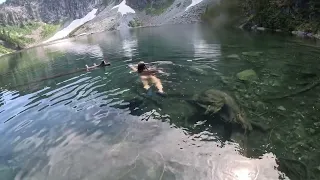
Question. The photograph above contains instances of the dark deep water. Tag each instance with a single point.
(62, 123)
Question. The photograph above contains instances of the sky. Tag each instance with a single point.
(1, 1)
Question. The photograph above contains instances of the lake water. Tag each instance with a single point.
(60, 122)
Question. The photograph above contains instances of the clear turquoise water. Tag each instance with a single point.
(59, 121)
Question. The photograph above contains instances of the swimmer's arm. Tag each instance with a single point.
(133, 68)
(90, 67)
(160, 71)
(154, 70)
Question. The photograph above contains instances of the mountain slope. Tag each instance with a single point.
(149, 14)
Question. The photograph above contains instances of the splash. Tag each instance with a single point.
(74, 24)
(123, 8)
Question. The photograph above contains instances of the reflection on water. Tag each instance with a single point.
(203, 50)
(206, 51)
(76, 48)
(128, 47)
(129, 42)
(60, 123)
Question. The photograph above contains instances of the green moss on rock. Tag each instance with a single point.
(157, 9)
(4, 50)
(135, 23)
(247, 75)
(15, 36)
(49, 30)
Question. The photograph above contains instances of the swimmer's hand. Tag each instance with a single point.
(132, 68)
(164, 73)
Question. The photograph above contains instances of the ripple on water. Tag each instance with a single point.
(66, 92)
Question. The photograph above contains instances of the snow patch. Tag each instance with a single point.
(194, 2)
(74, 24)
(123, 8)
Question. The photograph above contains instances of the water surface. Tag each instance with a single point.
(59, 121)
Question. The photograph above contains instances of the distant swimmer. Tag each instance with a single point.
(102, 64)
(148, 75)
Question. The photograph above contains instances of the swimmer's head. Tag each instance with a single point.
(141, 67)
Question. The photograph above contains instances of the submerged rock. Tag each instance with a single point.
(226, 80)
(311, 131)
(260, 105)
(281, 108)
(198, 71)
(308, 73)
(216, 102)
(252, 53)
(247, 75)
(234, 56)
(317, 124)
(276, 83)
(261, 28)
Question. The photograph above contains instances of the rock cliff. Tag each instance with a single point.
(17, 12)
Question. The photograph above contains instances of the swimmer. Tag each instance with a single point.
(148, 76)
(102, 64)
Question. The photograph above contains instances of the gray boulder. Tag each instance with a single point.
(234, 56)
(252, 53)
(247, 75)
(198, 70)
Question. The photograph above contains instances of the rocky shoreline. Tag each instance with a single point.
(295, 17)
(297, 33)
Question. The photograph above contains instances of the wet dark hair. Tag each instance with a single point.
(141, 67)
